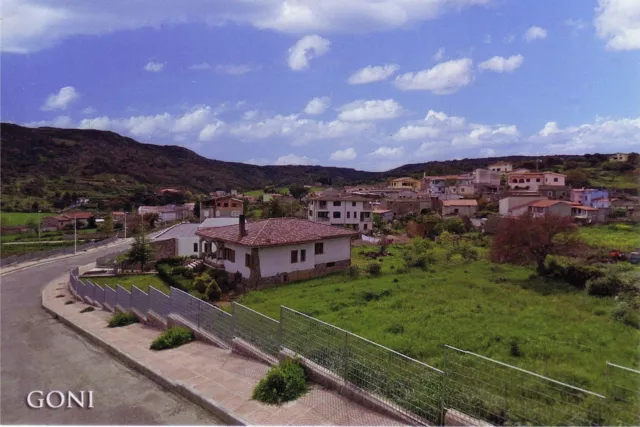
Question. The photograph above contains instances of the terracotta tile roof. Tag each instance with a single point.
(79, 215)
(276, 232)
(381, 211)
(460, 202)
(547, 203)
(586, 208)
(343, 198)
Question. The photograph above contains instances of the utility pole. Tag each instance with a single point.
(39, 221)
(125, 225)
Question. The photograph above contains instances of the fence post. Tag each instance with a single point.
(280, 342)
(443, 392)
(233, 320)
(198, 313)
(345, 356)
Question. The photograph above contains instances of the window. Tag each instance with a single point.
(455, 211)
(303, 255)
(555, 179)
(537, 179)
(219, 204)
(234, 205)
(528, 180)
(294, 257)
(353, 203)
(348, 214)
(355, 214)
(336, 214)
(229, 254)
(331, 264)
(336, 203)
(247, 260)
(195, 247)
(365, 226)
(319, 248)
(310, 212)
(226, 205)
(515, 181)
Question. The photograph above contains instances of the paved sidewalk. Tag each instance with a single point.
(211, 372)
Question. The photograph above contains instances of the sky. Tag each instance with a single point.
(368, 84)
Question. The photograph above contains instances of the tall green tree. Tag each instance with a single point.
(274, 209)
(298, 191)
(107, 225)
(141, 251)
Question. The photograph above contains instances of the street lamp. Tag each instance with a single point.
(125, 225)
(39, 211)
(75, 234)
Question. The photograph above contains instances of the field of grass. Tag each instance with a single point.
(612, 236)
(21, 218)
(478, 306)
(142, 282)
(13, 250)
(44, 236)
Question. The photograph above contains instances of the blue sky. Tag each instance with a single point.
(370, 84)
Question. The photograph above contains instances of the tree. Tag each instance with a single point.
(274, 210)
(378, 223)
(151, 218)
(577, 178)
(107, 225)
(528, 239)
(298, 191)
(452, 224)
(140, 252)
(196, 210)
(32, 225)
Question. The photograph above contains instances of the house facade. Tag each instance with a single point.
(556, 192)
(167, 213)
(402, 208)
(221, 207)
(486, 177)
(588, 215)
(347, 210)
(462, 207)
(405, 183)
(533, 180)
(278, 250)
(619, 157)
(385, 214)
(591, 197)
(550, 207)
(517, 205)
(501, 167)
(438, 186)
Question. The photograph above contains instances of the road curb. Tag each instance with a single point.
(227, 417)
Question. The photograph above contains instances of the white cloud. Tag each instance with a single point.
(201, 66)
(388, 152)
(61, 100)
(500, 64)
(211, 131)
(550, 128)
(535, 33)
(439, 55)
(250, 115)
(260, 161)
(317, 106)
(51, 21)
(360, 111)
(410, 132)
(618, 21)
(194, 119)
(154, 67)
(444, 78)
(577, 25)
(292, 159)
(89, 110)
(372, 74)
(306, 49)
(100, 123)
(233, 70)
(343, 155)
(510, 38)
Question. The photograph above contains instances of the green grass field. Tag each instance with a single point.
(13, 250)
(612, 236)
(142, 282)
(21, 218)
(478, 306)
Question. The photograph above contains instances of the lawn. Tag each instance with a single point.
(612, 236)
(21, 218)
(142, 282)
(478, 306)
(13, 250)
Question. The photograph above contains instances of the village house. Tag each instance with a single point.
(462, 207)
(438, 186)
(385, 214)
(405, 182)
(591, 197)
(347, 210)
(588, 215)
(221, 207)
(517, 205)
(533, 180)
(66, 220)
(403, 208)
(501, 167)
(619, 157)
(486, 177)
(182, 240)
(550, 207)
(118, 217)
(278, 250)
(167, 213)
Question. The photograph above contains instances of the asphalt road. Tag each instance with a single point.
(40, 353)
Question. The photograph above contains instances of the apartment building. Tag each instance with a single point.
(352, 211)
(533, 180)
(501, 167)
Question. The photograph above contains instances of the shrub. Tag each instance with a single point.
(283, 383)
(453, 225)
(164, 273)
(422, 261)
(122, 319)
(173, 337)
(606, 286)
(201, 283)
(575, 274)
(626, 314)
(180, 270)
(69, 302)
(188, 274)
(353, 271)
(374, 269)
(213, 291)
(87, 310)
(171, 261)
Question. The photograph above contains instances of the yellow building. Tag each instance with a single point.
(406, 183)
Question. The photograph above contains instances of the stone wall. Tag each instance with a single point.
(164, 248)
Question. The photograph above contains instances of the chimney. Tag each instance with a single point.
(243, 230)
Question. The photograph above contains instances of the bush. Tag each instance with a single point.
(180, 270)
(353, 271)
(122, 319)
(171, 261)
(626, 314)
(374, 269)
(606, 286)
(283, 383)
(164, 272)
(422, 261)
(201, 283)
(173, 337)
(87, 310)
(453, 225)
(575, 274)
(213, 291)
(188, 274)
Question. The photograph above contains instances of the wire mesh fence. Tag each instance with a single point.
(257, 329)
(110, 298)
(159, 303)
(506, 395)
(123, 298)
(624, 394)
(34, 256)
(185, 306)
(410, 386)
(139, 301)
(216, 322)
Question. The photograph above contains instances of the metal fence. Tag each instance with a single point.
(34, 256)
(139, 301)
(478, 386)
(98, 294)
(507, 395)
(257, 329)
(624, 393)
(159, 303)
